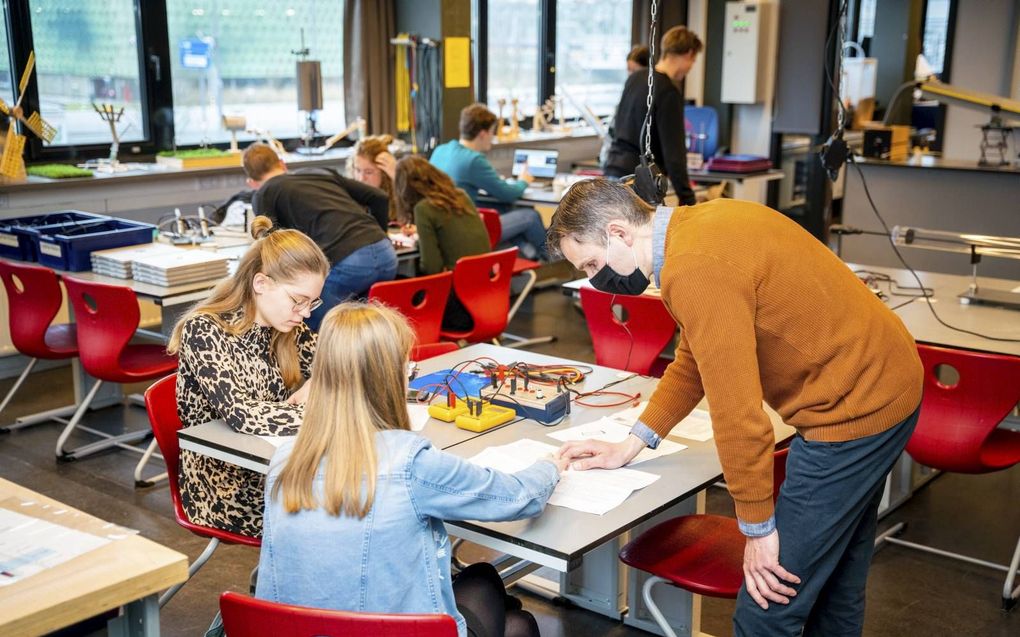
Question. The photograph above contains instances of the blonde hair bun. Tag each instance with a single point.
(261, 226)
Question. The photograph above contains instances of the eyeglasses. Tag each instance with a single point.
(299, 306)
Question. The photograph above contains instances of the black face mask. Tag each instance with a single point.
(609, 281)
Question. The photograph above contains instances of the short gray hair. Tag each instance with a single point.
(589, 206)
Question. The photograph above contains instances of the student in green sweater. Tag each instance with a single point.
(448, 224)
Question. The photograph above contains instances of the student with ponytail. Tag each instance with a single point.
(245, 354)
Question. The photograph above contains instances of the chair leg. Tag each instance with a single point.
(519, 341)
(660, 619)
(17, 385)
(195, 566)
(149, 452)
(107, 440)
(1009, 593)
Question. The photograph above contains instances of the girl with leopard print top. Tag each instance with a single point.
(244, 356)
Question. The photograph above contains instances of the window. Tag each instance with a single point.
(592, 43)
(236, 57)
(936, 30)
(85, 53)
(6, 83)
(513, 55)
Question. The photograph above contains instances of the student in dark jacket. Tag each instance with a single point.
(346, 218)
(448, 224)
(680, 47)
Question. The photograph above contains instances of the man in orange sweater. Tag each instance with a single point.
(767, 313)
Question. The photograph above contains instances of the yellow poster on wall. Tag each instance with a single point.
(457, 62)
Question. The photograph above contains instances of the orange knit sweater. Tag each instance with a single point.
(767, 312)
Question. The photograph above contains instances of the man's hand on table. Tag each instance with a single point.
(596, 454)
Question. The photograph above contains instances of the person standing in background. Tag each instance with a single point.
(679, 50)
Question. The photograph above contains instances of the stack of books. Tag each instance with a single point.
(161, 264)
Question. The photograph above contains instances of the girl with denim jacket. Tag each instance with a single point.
(355, 505)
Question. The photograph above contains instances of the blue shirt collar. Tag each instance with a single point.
(660, 224)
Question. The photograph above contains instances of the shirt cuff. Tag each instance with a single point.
(645, 433)
(759, 529)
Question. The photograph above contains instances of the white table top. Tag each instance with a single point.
(559, 537)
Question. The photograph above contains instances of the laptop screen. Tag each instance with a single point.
(540, 163)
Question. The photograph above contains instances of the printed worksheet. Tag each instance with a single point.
(29, 545)
(596, 491)
(609, 430)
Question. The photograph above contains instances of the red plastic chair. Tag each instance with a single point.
(957, 431)
(421, 299)
(633, 343)
(161, 405)
(482, 283)
(526, 267)
(703, 554)
(107, 317)
(33, 300)
(430, 350)
(251, 617)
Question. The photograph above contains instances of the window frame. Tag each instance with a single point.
(155, 84)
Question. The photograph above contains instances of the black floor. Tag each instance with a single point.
(909, 593)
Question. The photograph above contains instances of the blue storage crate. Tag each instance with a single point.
(71, 248)
(16, 240)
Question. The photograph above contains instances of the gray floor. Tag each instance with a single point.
(909, 593)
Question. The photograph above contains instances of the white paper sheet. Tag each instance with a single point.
(595, 491)
(696, 426)
(609, 430)
(29, 545)
(630, 415)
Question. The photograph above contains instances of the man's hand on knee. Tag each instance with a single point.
(763, 575)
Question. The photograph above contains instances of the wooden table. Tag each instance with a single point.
(129, 572)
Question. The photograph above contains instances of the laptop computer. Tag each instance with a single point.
(541, 164)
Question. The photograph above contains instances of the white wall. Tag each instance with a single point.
(984, 49)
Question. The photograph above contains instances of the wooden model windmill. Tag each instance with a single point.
(12, 166)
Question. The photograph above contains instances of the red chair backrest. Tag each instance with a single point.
(634, 343)
(429, 350)
(251, 617)
(421, 299)
(106, 317)
(161, 405)
(492, 224)
(957, 421)
(32, 307)
(482, 283)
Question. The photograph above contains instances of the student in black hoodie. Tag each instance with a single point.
(679, 49)
(346, 218)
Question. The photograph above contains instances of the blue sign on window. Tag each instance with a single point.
(195, 53)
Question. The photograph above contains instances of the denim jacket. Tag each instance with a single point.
(397, 558)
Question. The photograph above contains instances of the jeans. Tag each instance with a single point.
(353, 275)
(523, 228)
(826, 516)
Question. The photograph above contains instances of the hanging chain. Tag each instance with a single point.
(840, 40)
(651, 76)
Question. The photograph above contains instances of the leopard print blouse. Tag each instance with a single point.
(236, 379)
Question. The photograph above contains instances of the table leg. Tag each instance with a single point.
(139, 619)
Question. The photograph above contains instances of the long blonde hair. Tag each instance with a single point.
(358, 388)
(280, 255)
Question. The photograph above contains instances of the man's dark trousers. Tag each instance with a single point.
(826, 516)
